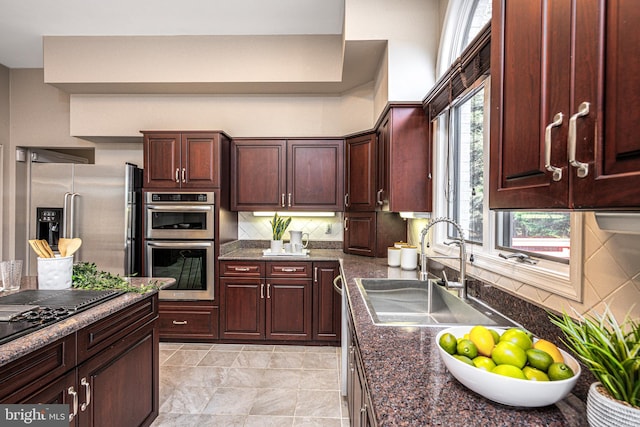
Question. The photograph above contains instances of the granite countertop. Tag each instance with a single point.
(407, 379)
(41, 337)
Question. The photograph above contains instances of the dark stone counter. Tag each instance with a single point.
(20, 346)
(408, 381)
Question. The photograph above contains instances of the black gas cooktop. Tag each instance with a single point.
(30, 310)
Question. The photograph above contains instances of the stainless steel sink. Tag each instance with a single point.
(397, 302)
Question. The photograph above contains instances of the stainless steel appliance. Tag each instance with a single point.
(101, 205)
(179, 243)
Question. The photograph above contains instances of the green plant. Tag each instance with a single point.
(279, 225)
(87, 276)
(610, 350)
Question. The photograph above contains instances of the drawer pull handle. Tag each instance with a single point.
(261, 290)
(179, 322)
(241, 269)
(184, 172)
(178, 175)
(74, 393)
(268, 290)
(87, 394)
(289, 270)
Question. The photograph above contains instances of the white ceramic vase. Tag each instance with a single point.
(276, 246)
(603, 411)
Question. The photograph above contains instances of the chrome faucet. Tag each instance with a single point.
(461, 286)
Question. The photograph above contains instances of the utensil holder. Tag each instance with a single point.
(55, 273)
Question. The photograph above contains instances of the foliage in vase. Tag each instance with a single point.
(610, 350)
(279, 225)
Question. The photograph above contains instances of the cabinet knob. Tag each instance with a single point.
(557, 172)
(583, 168)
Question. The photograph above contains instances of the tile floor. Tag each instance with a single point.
(250, 385)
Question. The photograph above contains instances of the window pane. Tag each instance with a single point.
(544, 234)
(466, 175)
(481, 15)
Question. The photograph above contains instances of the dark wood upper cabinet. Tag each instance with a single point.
(563, 105)
(297, 174)
(360, 168)
(183, 159)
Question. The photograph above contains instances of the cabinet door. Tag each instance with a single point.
(119, 386)
(607, 63)
(360, 233)
(315, 174)
(326, 302)
(383, 178)
(258, 177)
(200, 160)
(242, 308)
(162, 163)
(360, 165)
(530, 84)
(288, 315)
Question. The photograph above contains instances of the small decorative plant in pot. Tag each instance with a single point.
(278, 227)
(611, 351)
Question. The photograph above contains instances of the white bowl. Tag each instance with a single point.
(507, 390)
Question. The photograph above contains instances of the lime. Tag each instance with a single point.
(449, 343)
(518, 337)
(534, 374)
(464, 359)
(496, 336)
(539, 359)
(559, 371)
(483, 339)
(507, 353)
(509, 371)
(550, 348)
(484, 362)
(467, 348)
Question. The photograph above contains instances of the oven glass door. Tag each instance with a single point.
(190, 263)
(179, 222)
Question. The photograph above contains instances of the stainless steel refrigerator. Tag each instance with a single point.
(100, 204)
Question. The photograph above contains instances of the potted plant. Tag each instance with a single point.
(278, 226)
(611, 351)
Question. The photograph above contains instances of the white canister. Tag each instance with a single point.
(409, 257)
(55, 273)
(393, 256)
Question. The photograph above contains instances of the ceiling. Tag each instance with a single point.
(23, 23)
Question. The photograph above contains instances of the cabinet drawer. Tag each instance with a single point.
(29, 373)
(104, 333)
(188, 320)
(242, 268)
(289, 269)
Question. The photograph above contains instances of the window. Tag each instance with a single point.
(459, 109)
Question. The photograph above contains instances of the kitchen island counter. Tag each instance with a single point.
(407, 380)
(14, 349)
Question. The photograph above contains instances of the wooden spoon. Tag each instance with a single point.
(69, 246)
(34, 245)
(47, 249)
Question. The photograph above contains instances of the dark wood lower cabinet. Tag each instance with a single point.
(279, 301)
(358, 398)
(188, 321)
(107, 372)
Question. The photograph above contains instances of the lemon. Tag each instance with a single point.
(534, 374)
(559, 371)
(509, 371)
(464, 359)
(507, 353)
(484, 362)
(449, 343)
(539, 359)
(483, 339)
(549, 348)
(517, 337)
(467, 348)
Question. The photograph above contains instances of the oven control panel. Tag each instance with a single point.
(181, 198)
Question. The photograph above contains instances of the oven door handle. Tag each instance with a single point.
(180, 208)
(190, 244)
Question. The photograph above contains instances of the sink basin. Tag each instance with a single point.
(397, 302)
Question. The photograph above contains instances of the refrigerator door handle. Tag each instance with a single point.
(65, 216)
(72, 213)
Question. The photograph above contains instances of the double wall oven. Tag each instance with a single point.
(179, 242)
